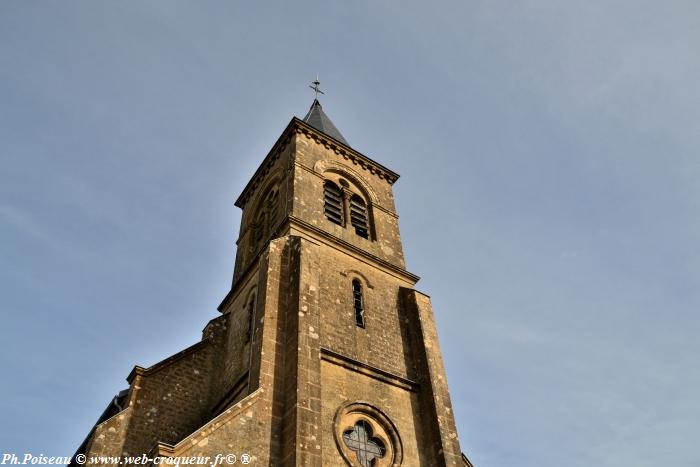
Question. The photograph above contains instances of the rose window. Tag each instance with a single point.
(359, 439)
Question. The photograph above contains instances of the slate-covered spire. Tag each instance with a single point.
(318, 119)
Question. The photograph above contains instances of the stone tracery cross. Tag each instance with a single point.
(359, 439)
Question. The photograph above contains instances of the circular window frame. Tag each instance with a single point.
(382, 428)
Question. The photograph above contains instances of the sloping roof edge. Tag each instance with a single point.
(318, 119)
(388, 174)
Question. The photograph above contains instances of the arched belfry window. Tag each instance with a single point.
(345, 208)
(358, 216)
(333, 202)
(358, 303)
(266, 218)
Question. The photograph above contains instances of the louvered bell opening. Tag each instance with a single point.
(358, 216)
(333, 203)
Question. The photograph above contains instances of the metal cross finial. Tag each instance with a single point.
(315, 87)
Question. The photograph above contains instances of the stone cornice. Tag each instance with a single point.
(346, 152)
(266, 165)
(297, 126)
(240, 283)
(333, 240)
(141, 371)
(283, 229)
(368, 370)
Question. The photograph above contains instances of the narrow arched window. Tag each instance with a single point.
(358, 216)
(250, 311)
(333, 202)
(358, 304)
(259, 229)
(266, 218)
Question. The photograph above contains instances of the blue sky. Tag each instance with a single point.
(549, 199)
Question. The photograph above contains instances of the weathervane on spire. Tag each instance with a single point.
(315, 87)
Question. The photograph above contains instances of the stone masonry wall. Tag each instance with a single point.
(340, 385)
(381, 343)
(254, 424)
(167, 401)
(108, 437)
(276, 176)
(435, 402)
(170, 403)
(236, 352)
(312, 159)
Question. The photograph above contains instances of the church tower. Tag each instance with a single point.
(324, 354)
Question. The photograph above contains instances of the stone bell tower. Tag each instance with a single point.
(324, 354)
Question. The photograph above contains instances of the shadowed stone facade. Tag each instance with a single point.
(324, 353)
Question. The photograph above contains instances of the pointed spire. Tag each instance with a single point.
(318, 119)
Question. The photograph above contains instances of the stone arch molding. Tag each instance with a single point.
(252, 290)
(327, 165)
(355, 272)
(273, 178)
